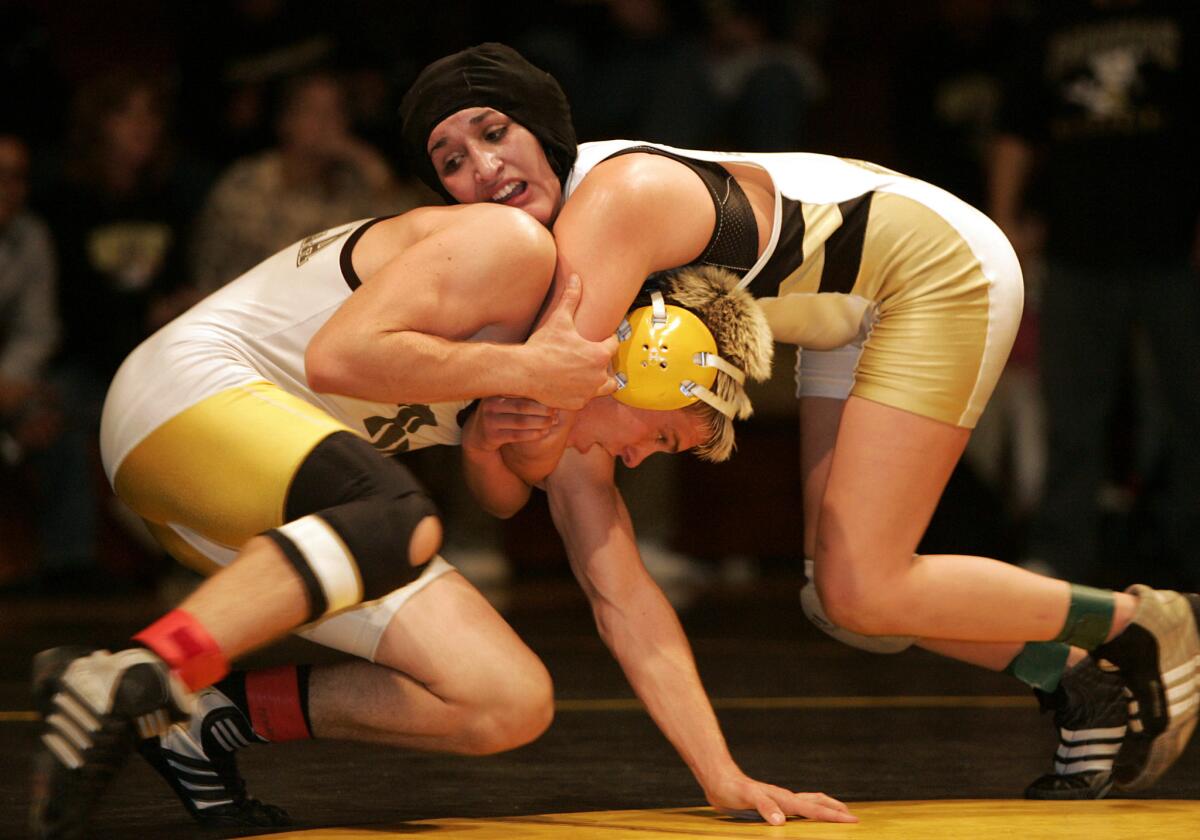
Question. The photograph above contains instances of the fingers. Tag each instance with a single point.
(775, 805)
(520, 422)
(517, 406)
(572, 292)
(609, 386)
(518, 436)
(769, 810)
(815, 806)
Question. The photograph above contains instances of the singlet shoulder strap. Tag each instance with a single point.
(347, 264)
(734, 241)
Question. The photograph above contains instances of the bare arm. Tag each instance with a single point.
(439, 322)
(631, 216)
(641, 629)
(495, 422)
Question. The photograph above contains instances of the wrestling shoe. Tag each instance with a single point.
(1157, 655)
(94, 706)
(1091, 713)
(197, 759)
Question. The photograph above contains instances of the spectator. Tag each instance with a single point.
(233, 53)
(29, 326)
(318, 176)
(648, 78)
(765, 83)
(946, 113)
(30, 420)
(118, 213)
(1103, 102)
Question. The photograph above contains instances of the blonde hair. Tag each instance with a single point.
(743, 338)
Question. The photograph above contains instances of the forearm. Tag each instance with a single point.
(648, 642)
(497, 489)
(412, 367)
(636, 621)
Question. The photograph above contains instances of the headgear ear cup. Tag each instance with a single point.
(662, 360)
(717, 310)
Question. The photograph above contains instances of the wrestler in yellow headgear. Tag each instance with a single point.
(696, 340)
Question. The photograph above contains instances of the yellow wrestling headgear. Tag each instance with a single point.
(667, 359)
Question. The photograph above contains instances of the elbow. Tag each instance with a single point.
(322, 368)
(330, 365)
(506, 508)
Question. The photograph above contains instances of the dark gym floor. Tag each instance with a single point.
(907, 727)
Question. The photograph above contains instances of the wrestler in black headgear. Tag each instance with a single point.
(493, 76)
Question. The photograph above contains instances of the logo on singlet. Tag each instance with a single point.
(309, 245)
(392, 434)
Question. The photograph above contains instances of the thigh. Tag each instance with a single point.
(450, 639)
(218, 472)
(887, 472)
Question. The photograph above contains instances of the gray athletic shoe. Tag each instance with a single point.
(94, 706)
(1091, 713)
(1158, 655)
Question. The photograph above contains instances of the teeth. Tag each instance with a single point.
(506, 192)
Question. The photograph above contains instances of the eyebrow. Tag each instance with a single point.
(475, 120)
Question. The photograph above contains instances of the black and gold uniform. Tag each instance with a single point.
(892, 288)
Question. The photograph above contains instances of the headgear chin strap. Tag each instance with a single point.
(667, 359)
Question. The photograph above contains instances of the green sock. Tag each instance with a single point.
(1089, 617)
(1040, 665)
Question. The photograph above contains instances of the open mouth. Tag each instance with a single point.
(509, 191)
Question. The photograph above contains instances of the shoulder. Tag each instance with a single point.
(487, 224)
(641, 175)
(643, 203)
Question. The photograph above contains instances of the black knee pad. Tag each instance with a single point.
(350, 515)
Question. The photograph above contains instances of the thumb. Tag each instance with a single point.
(571, 294)
(770, 810)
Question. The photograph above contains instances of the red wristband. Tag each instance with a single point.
(273, 696)
(186, 646)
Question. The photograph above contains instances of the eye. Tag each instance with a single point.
(495, 134)
(450, 165)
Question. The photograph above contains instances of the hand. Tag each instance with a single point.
(501, 420)
(568, 370)
(743, 797)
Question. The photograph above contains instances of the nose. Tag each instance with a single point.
(487, 164)
(634, 455)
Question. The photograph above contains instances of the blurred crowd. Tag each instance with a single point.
(152, 151)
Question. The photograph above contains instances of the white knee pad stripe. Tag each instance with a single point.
(357, 631)
(810, 602)
(331, 562)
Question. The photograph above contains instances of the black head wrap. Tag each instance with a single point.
(493, 76)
